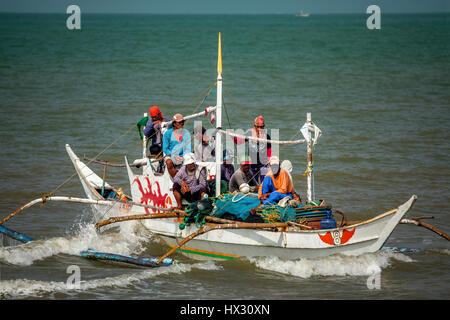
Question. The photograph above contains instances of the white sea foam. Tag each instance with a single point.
(207, 265)
(129, 240)
(442, 251)
(33, 288)
(336, 265)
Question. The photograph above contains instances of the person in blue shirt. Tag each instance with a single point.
(176, 144)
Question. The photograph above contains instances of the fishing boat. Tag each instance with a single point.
(152, 197)
(302, 14)
(299, 232)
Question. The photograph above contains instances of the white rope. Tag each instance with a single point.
(263, 140)
(195, 115)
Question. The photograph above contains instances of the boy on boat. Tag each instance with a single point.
(190, 181)
(276, 185)
(176, 144)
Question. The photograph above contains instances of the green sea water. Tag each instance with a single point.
(380, 97)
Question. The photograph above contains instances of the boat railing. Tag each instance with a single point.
(192, 116)
(232, 134)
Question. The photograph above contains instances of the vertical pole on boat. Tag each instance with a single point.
(309, 191)
(104, 178)
(144, 143)
(219, 119)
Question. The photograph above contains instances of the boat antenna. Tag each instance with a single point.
(219, 118)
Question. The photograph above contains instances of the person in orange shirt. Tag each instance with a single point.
(276, 185)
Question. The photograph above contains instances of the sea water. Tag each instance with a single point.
(380, 97)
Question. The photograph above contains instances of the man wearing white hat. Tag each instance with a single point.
(190, 181)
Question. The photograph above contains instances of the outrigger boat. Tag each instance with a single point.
(152, 202)
(289, 242)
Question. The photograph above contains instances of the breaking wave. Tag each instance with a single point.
(124, 242)
(335, 265)
(34, 288)
(130, 240)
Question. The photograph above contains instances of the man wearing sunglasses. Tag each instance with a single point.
(176, 144)
(259, 152)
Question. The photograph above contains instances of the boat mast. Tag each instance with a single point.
(310, 185)
(219, 119)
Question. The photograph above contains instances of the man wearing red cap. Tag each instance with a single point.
(153, 130)
(259, 152)
(241, 176)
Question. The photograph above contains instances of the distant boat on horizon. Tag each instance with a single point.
(301, 14)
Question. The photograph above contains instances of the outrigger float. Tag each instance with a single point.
(203, 234)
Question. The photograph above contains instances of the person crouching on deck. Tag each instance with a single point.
(276, 185)
(190, 181)
(176, 144)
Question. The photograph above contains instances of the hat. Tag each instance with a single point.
(245, 160)
(178, 117)
(274, 160)
(154, 111)
(227, 154)
(286, 165)
(189, 158)
(259, 120)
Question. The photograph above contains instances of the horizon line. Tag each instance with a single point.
(223, 13)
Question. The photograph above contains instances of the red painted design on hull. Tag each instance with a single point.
(153, 198)
(335, 238)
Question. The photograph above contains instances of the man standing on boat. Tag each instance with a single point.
(153, 130)
(259, 152)
(190, 181)
(241, 176)
(176, 144)
(203, 145)
(276, 185)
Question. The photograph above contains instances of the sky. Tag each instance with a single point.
(224, 6)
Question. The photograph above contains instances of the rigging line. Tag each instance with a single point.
(239, 107)
(100, 153)
(226, 112)
(199, 96)
(73, 175)
(198, 107)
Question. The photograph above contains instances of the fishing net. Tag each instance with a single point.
(235, 204)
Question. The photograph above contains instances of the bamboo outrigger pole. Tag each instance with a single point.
(204, 229)
(88, 201)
